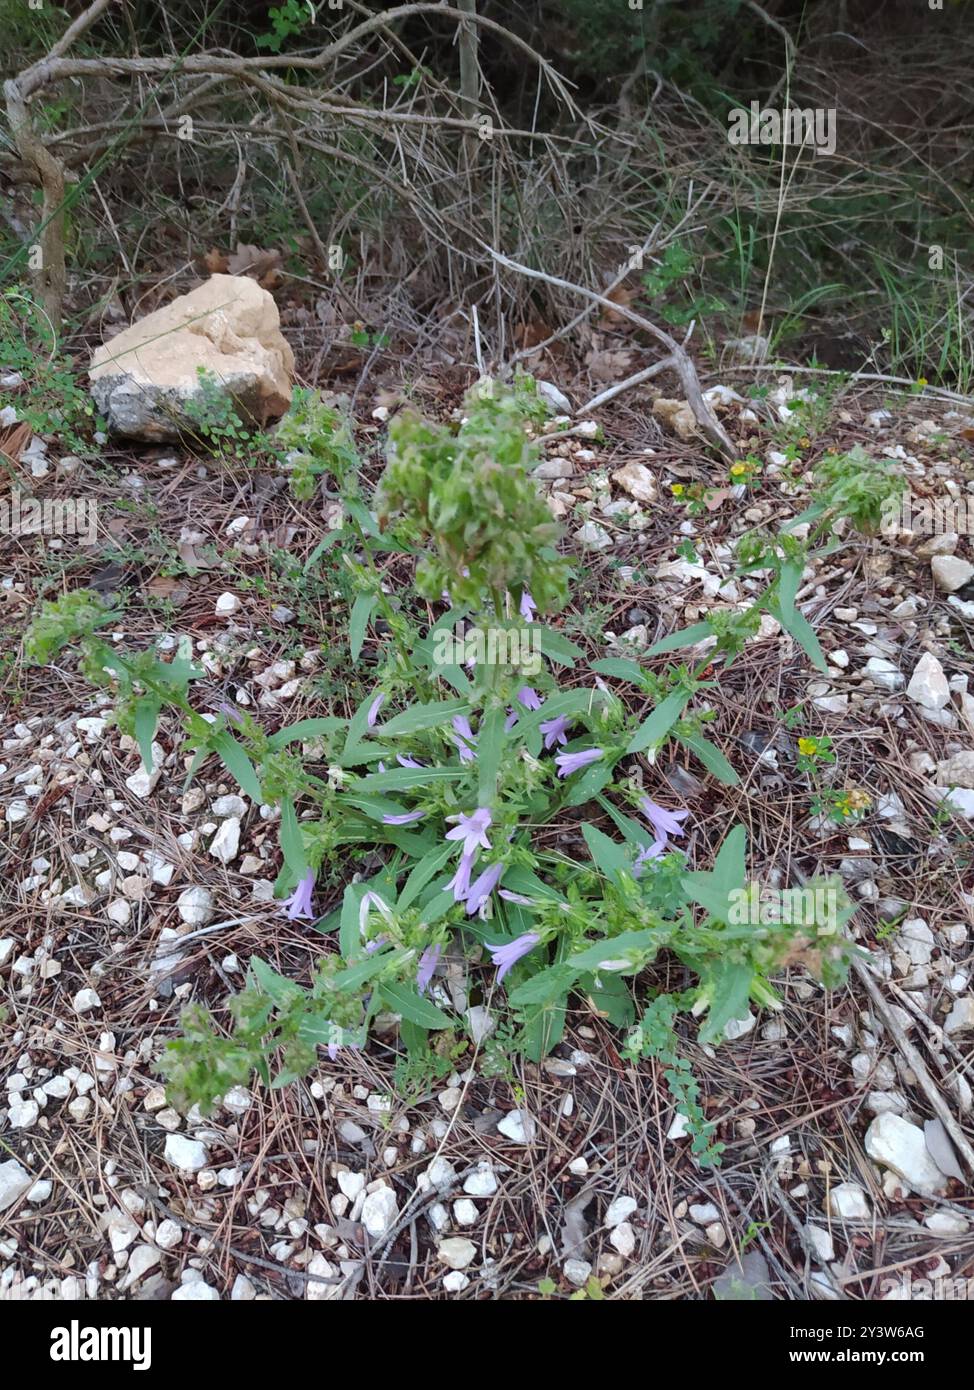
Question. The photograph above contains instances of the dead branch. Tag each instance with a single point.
(676, 356)
(46, 170)
(917, 1065)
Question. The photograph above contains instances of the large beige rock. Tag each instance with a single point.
(143, 378)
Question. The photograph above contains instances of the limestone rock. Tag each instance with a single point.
(676, 414)
(636, 479)
(848, 1202)
(957, 771)
(14, 1182)
(951, 573)
(928, 684)
(900, 1146)
(143, 379)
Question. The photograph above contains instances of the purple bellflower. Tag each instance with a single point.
(300, 905)
(459, 884)
(374, 708)
(664, 822)
(481, 889)
(472, 829)
(644, 856)
(464, 738)
(567, 763)
(427, 964)
(555, 731)
(510, 952)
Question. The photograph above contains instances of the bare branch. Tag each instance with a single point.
(682, 364)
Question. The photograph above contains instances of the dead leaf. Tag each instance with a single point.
(14, 440)
(609, 364)
(529, 335)
(216, 261)
(574, 1232)
(745, 1281)
(251, 260)
(620, 295)
(109, 577)
(941, 1150)
(164, 586)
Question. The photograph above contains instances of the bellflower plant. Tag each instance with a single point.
(436, 819)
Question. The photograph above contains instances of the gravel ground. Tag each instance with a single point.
(847, 1117)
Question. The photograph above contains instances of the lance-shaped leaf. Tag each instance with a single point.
(711, 757)
(654, 729)
(609, 857)
(235, 760)
(712, 889)
(403, 999)
(420, 717)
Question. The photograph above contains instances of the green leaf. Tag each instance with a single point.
(686, 637)
(789, 580)
(322, 1032)
(543, 1028)
(613, 948)
(375, 807)
(547, 985)
(557, 647)
(618, 666)
(427, 868)
(804, 634)
(282, 990)
(730, 866)
(364, 518)
(403, 999)
(357, 735)
(592, 780)
(349, 936)
(606, 854)
(520, 879)
(611, 996)
(199, 758)
(437, 907)
(357, 974)
(491, 741)
(307, 729)
(634, 831)
(358, 623)
(420, 717)
(331, 539)
(811, 513)
(404, 779)
(712, 889)
(146, 718)
(711, 757)
(730, 990)
(235, 760)
(653, 730)
(292, 845)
